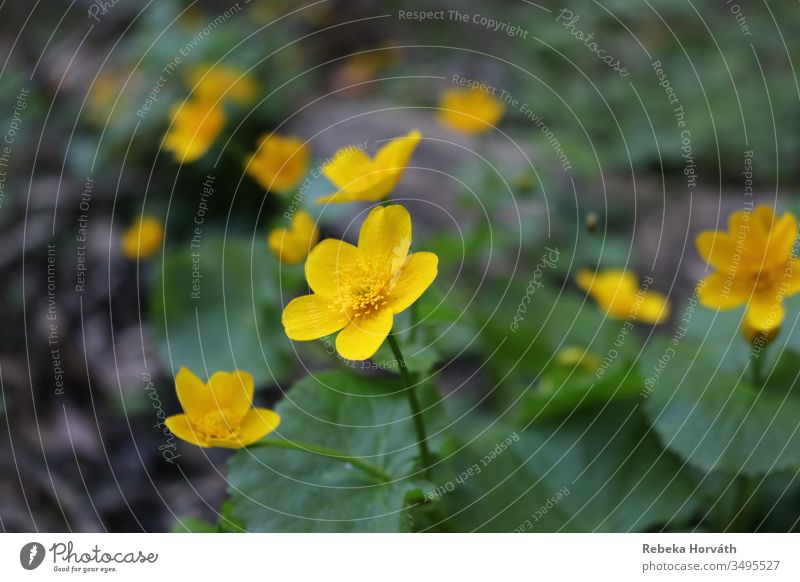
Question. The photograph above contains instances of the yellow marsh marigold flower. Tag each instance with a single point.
(291, 245)
(214, 83)
(364, 179)
(470, 110)
(220, 413)
(753, 265)
(617, 291)
(195, 126)
(279, 163)
(358, 290)
(142, 238)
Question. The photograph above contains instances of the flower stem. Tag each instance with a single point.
(325, 452)
(758, 365)
(416, 409)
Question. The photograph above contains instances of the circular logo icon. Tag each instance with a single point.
(31, 555)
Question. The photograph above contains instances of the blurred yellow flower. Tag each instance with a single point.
(195, 125)
(758, 337)
(220, 413)
(618, 292)
(470, 110)
(292, 245)
(279, 163)
(364, 179)
(219, 83)
(142, 238)
(578, 356)
(358, 290)
(753, 266)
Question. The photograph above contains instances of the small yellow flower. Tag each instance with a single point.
(279, 163)
(617, 291)
(220, 413)
(195, 126)
(358, 290)
(216, 83)
(142, 238)
(470, 110)
(753, 266)
(364, 179)
(292, 245)
(578, 356)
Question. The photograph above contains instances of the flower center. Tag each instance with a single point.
(363, 290)
(219, 424)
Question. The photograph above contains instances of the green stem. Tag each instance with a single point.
(757, 363)
(324, 452)
(416, 409)
(745, 503)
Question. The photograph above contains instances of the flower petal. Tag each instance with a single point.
(258, 423)
(764, 312)
(232, 391)
(781, 240)
(716, 292)
(325, 264)
(347, 165)
(396, 154)
(385, 237)
(363, 336)
(416, 276)
(716, 248)
(654, 308)
(194, 395)
(179, 426)
(312, 316)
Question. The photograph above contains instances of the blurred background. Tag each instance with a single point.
(611, 169)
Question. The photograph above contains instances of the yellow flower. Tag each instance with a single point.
(617, 291)
(753, 265)
(470, 110)
(142, 238)
(578, 356)
(364, 179)
(215, 83)
(195, 126)
(358, 290)
(220, 413)
(292, 245)
(279, 163)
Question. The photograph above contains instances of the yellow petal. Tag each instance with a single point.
(179, 426)
(326, 265)
(716, 292)
(232, 391)
(194, 394)
(258, 423)
(654, 308)
(716, 248)
(416, 276)
(347, 166)
(385, 237)
(781, 240)
(363, 336)
(291, 246)
(396, 154)
(312, 316)
(764, 312)
(763, 217)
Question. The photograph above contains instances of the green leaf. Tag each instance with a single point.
(226, 318)
(357, 415)
(596, 471)
(717, 419)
